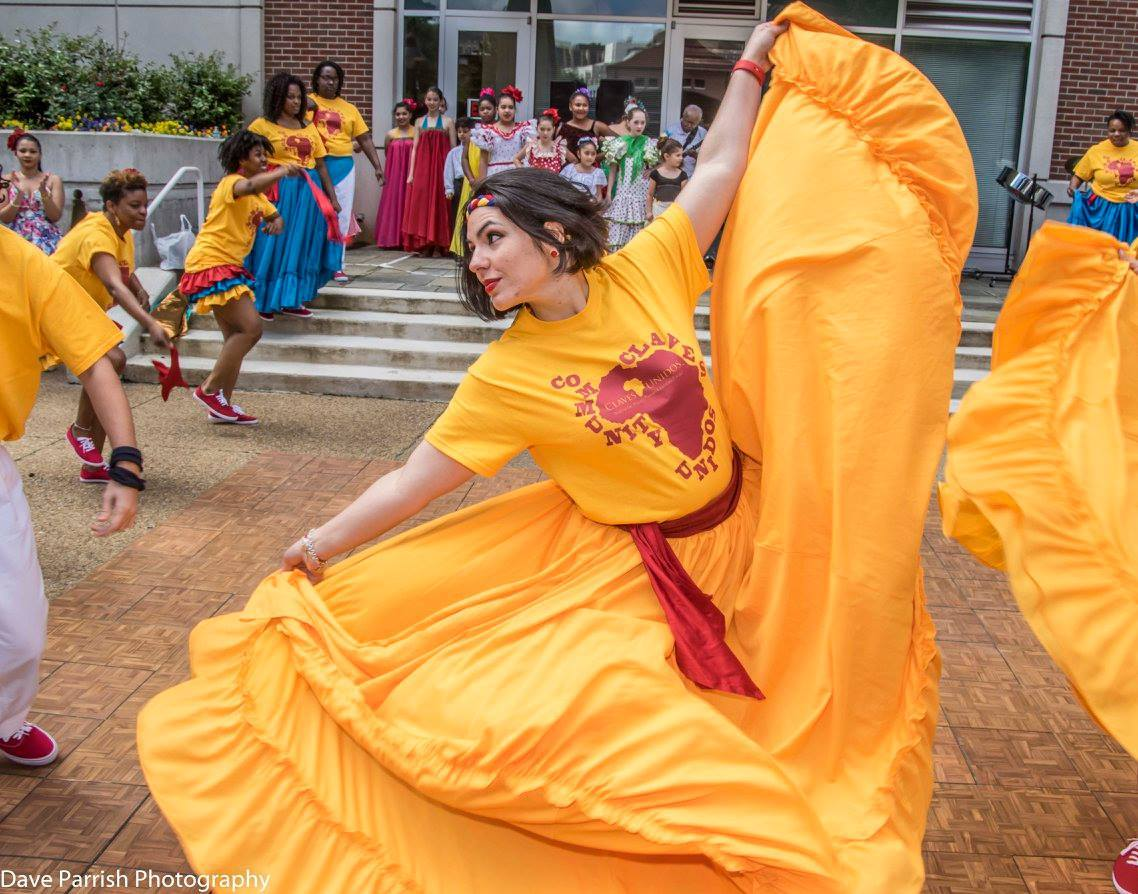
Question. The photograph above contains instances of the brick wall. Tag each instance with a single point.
(297, 36)
(1099, 75)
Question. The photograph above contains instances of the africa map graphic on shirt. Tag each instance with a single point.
(331, 120)
(1123, 168)
(655, 391)
(302, 146)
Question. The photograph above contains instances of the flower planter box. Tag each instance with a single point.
(83, 158)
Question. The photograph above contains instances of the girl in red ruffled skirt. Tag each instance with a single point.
(216, 280)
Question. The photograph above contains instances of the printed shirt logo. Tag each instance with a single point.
(301, 148)
(655, 391)
(330, 120)
(1123, 168)
(256, 216)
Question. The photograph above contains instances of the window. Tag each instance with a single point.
(984, 82)
(420, 54)
(644, 8)
(490, 5)
(876, 13)
(614, 59)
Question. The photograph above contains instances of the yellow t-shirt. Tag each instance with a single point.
(339, 122)
(614, 403)
(291, 147)
(42, 311)
(1111, 172)
(230, 227)
(93, 235)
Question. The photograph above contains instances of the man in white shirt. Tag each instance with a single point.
(689, 134)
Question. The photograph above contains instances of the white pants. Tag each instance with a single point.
(346, 196)
(23, 606)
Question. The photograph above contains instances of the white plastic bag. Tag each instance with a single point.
(172, 249)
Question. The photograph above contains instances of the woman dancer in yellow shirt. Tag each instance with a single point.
(558, 690)
(216, 281)
(98, 253)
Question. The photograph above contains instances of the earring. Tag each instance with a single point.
(555, 253)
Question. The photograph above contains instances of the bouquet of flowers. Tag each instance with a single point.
(613, 149)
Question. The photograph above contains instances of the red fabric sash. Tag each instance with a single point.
(697, 625)
(322, 202)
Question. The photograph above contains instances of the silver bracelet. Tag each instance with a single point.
(311, 559)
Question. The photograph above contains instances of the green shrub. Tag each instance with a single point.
(46, 76)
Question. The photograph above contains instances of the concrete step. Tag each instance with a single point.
(973, 358)
(384, 324)
(976, 334)
(963, 379)
(352, 350)
(420, 302)
(343, 379)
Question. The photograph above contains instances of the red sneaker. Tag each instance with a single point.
(243, 418)
(216, 404)
(341, 277)
(1125, 874)
(301, 311)
(268, 318)
(84, 448)
(94, 475)
(30, 746)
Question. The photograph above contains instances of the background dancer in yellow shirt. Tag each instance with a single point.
(98, 253)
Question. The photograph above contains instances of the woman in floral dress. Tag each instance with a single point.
(31, 200)
(630, 160)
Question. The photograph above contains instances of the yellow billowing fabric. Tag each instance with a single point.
(487, 703)
(474, 157)
(614, 403)
(43, 312)
(339, 122)
(230, 227)
(1042, 472)
(1111, 172)
(218, 299)
(93, 235)
(300, 146)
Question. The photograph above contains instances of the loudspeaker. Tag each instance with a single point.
(610, 99)
(559, 93)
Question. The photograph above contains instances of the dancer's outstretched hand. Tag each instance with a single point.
(760, 42)
(120, 505)
(294, 557)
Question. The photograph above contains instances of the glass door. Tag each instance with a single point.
(700, 61)
(479, 51)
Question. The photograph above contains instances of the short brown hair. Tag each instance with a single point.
(118, 183)
(530, 198)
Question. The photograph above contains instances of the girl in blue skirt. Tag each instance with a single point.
(1110, 169)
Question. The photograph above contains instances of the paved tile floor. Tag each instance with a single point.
(1031, 795)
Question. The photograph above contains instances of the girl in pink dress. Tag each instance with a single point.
(393, 201)
(546, 150)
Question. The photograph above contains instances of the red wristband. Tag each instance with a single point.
(751, 68)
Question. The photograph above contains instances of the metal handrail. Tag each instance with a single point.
(165, 191)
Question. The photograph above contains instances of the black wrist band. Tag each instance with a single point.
(126, 454)
(126, 478)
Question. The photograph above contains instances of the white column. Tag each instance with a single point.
(1043, 106)
(384, 53)
(250, 43)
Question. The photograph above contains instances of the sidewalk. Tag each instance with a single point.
(1030, 796)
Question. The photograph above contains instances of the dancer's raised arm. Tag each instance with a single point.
(394, 498)
(723, 154)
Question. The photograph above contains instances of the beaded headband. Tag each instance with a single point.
(480, 201)
(588, 141)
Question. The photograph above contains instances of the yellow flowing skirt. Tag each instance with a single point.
(1042, 472)
(474, 154)
(487, 704)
